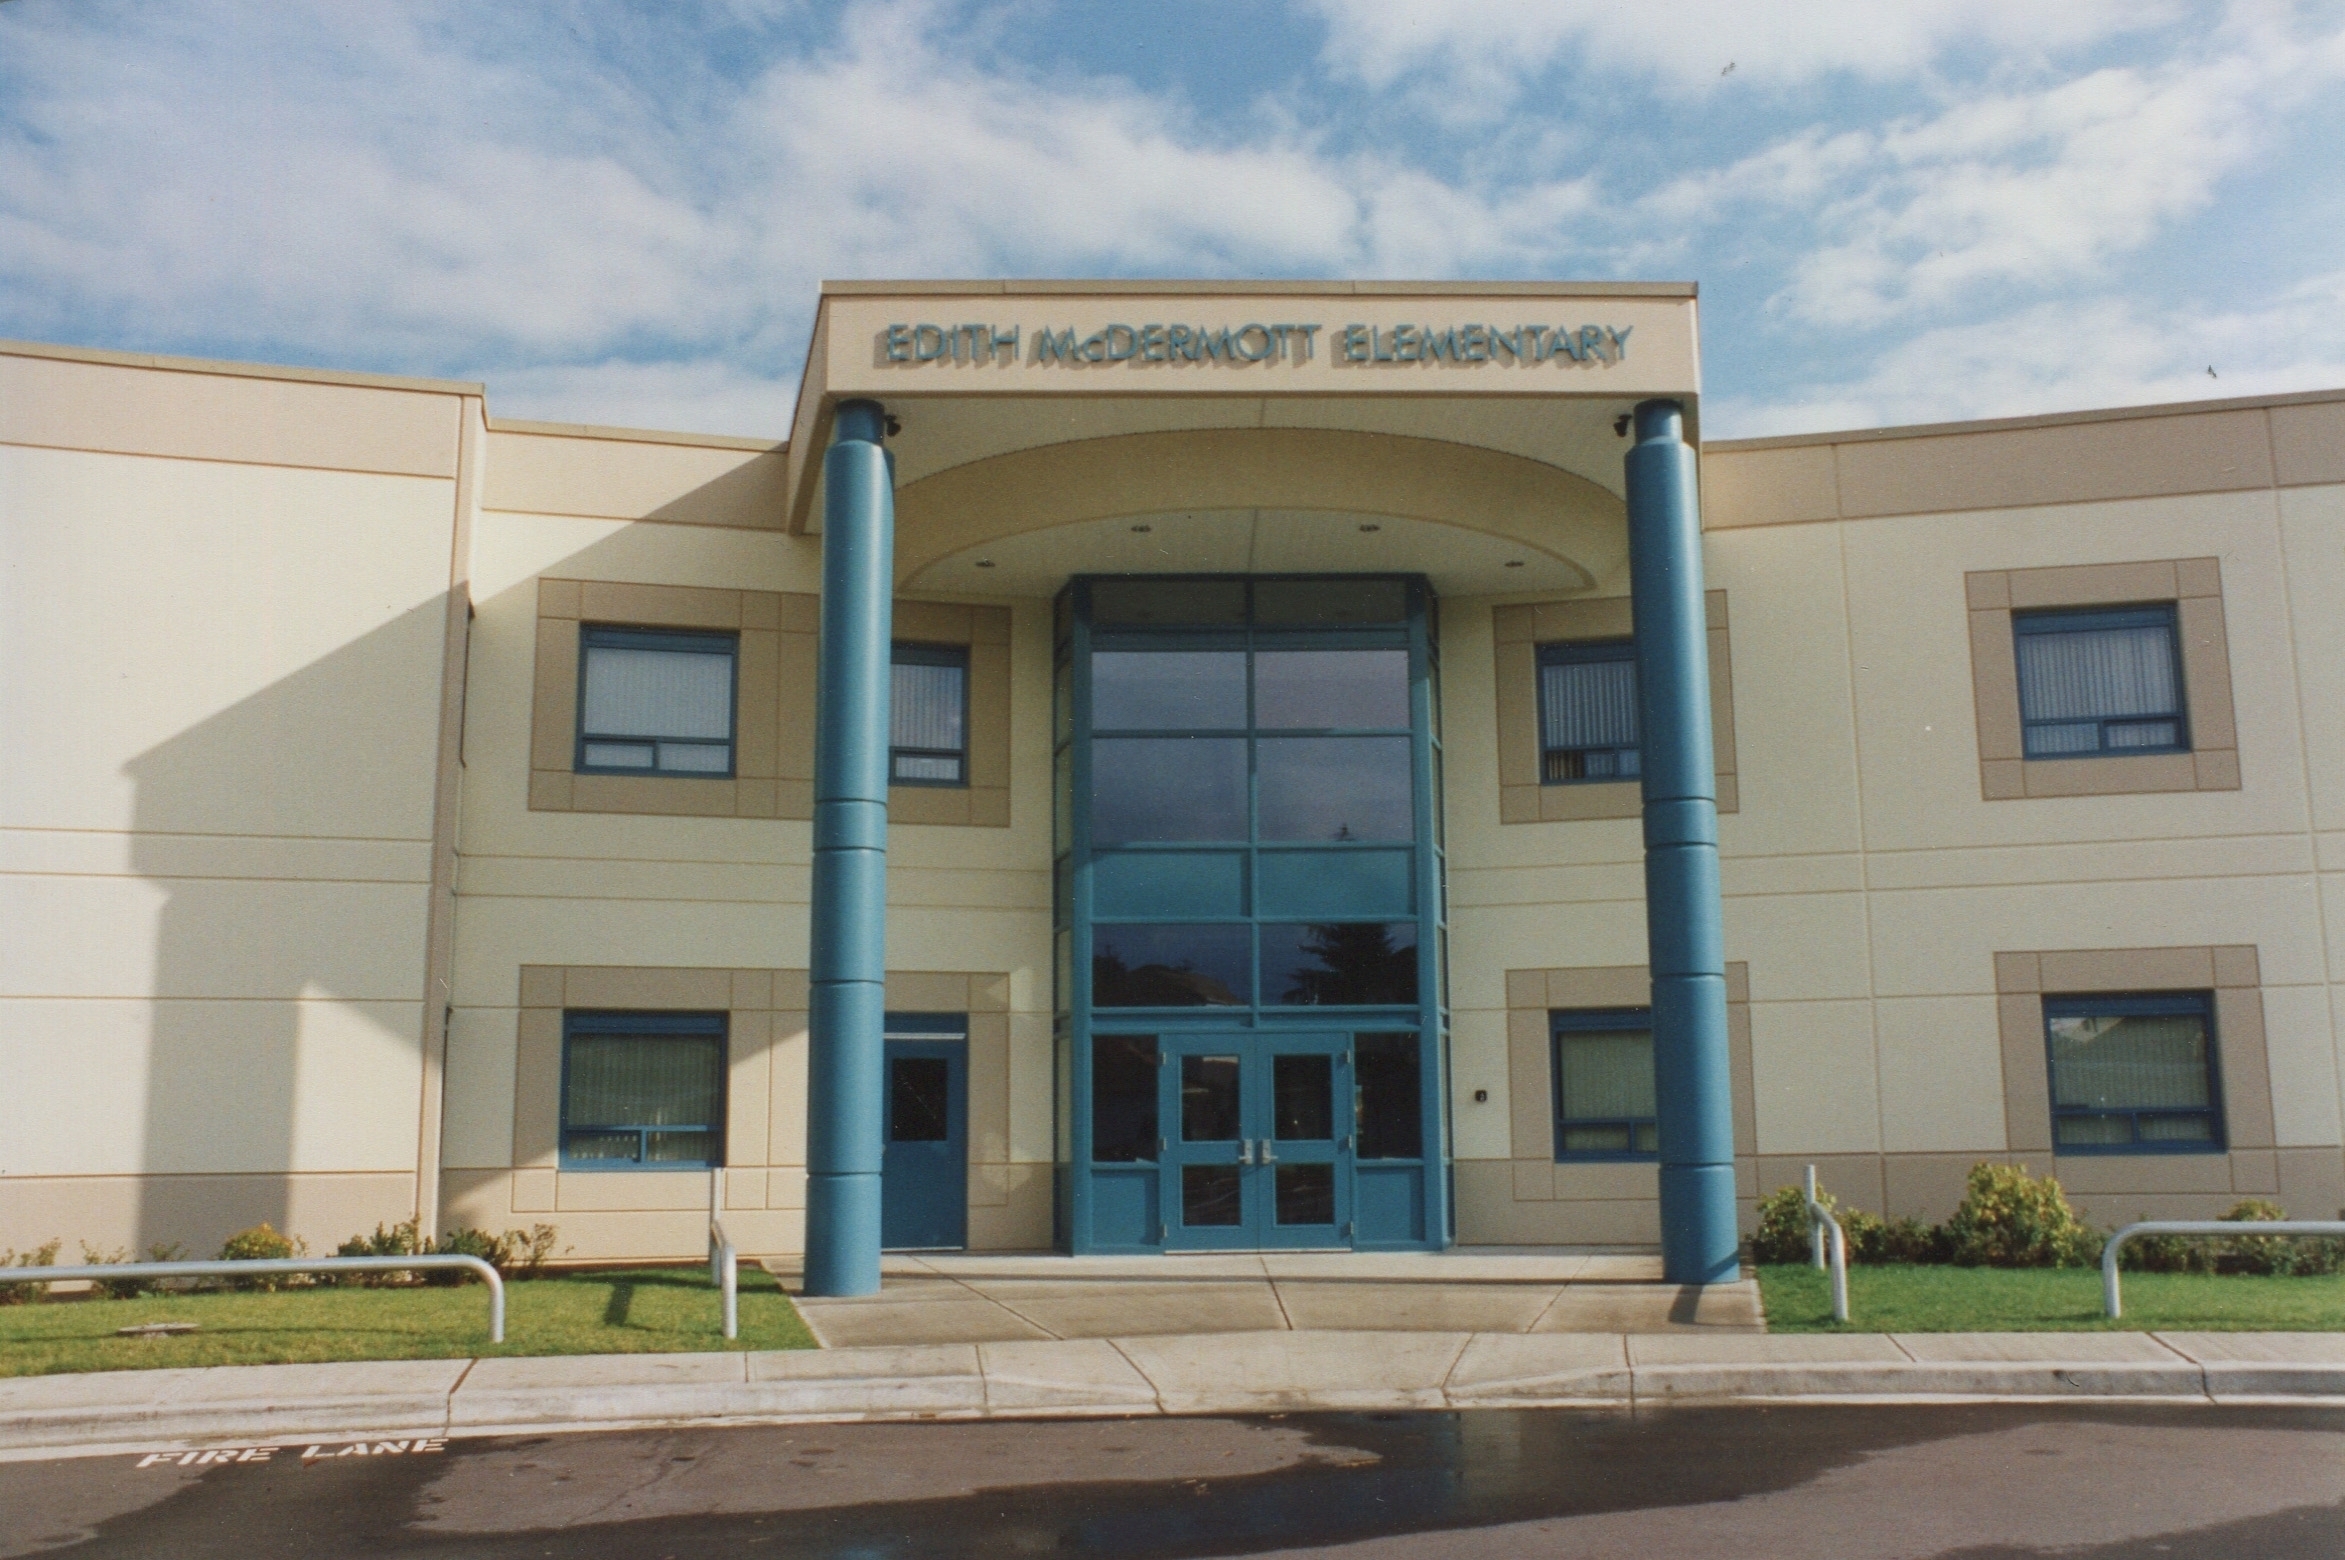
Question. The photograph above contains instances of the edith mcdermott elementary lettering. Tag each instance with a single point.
(1258, 343)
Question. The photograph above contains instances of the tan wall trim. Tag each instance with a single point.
(1518, 631)
(985, 633)
(2195, 586)
(765, 1132)
(2228, 446)
(2233, 973)
(774, 747)
(1531, 995)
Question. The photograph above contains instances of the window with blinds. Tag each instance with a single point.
(1588, 712)
(928, 715)
(656, 702)
(1604, 1096)
(2134, 1074)
(643, 1091)
(2096, 682)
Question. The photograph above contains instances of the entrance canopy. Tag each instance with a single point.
(1469, 432)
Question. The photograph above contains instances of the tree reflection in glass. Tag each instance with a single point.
(1341, 964)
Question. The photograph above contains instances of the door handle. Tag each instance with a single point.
(1245, 1151)
(1268, 1157)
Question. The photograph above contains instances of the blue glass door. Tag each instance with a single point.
(1303, 1155)
(1259, 1151)
(924, 1168)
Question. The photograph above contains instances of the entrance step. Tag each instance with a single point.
(1001, 1297)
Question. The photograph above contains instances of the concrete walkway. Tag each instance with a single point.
(335, 1407)
(987, 1298)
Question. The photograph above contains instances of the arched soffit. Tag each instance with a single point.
(1053, 485)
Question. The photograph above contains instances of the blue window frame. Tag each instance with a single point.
(2100, 681)
(643, 1091)
(928, 715)
(1588, 712)
(656, 702)
(1604, 1096)
(2134, 1073)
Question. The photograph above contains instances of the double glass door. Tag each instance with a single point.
(1259, 1151)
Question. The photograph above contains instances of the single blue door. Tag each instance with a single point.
(924, 1171)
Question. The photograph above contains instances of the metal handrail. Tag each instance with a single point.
(2112, 1304)
(724, 1264)
(261, 1267)
(1819, 1220)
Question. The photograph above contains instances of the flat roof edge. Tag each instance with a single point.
(232, 369)
(2245, 403)
(616, 435)
(1120, 286)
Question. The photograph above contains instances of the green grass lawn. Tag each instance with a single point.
(1896, 1298)
(640, 1311)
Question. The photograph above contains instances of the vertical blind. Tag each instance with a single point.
(642, 1098)
(1607, 1074)
(653, 706)
(2107, 683)
(2141, 1062)
(928, 721)
(1588, 708)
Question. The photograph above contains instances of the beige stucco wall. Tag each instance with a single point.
(584, 889)
(226, 631)
(1869, 885)
(221, 648)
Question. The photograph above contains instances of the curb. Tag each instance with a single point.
(1229, 1373)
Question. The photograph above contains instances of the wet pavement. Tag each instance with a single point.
(1820, 1483)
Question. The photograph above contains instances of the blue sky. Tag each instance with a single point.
(1898, 210)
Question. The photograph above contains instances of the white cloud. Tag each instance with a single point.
(1491, 45)
(2055, 357)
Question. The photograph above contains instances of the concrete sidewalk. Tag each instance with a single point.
(1229, 1373)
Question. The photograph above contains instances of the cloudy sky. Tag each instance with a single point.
(1898, 210)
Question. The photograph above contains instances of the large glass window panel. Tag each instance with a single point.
(1604, 1089)
(1588, 712)
(1304, 1194)
(1167, 603)
(1168, 690)
(2132, 1071)
(1329, 603)
(918, 1095)
(1340, 964)
(1211, 1196)
(654, 702)
(1123, 1098)
(1325, 789)
(644, 1089)
(1384, 1070)
(1302, 1098)
(1209, 1099)
(1169, 966)
(2099, 681)
(1347, 689)
(928, 715)
(1168, 789)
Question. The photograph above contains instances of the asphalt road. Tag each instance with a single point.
(1813, 1483)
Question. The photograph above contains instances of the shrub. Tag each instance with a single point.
(130, 1288)
(261, 1243)
(514, 1254)
(2009, 1218)
(2274, 1256)
(39, 1256)
(1783, 1232)
(1783, 1227)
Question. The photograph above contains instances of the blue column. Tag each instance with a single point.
(847, 959)
(1698, 1236)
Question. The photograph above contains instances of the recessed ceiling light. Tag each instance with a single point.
(985, 563)
(1514, 563)
(1367, 528)
(1142, 530)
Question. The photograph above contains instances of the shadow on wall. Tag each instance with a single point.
(290, 835)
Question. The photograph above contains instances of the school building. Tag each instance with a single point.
(1148, 767)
